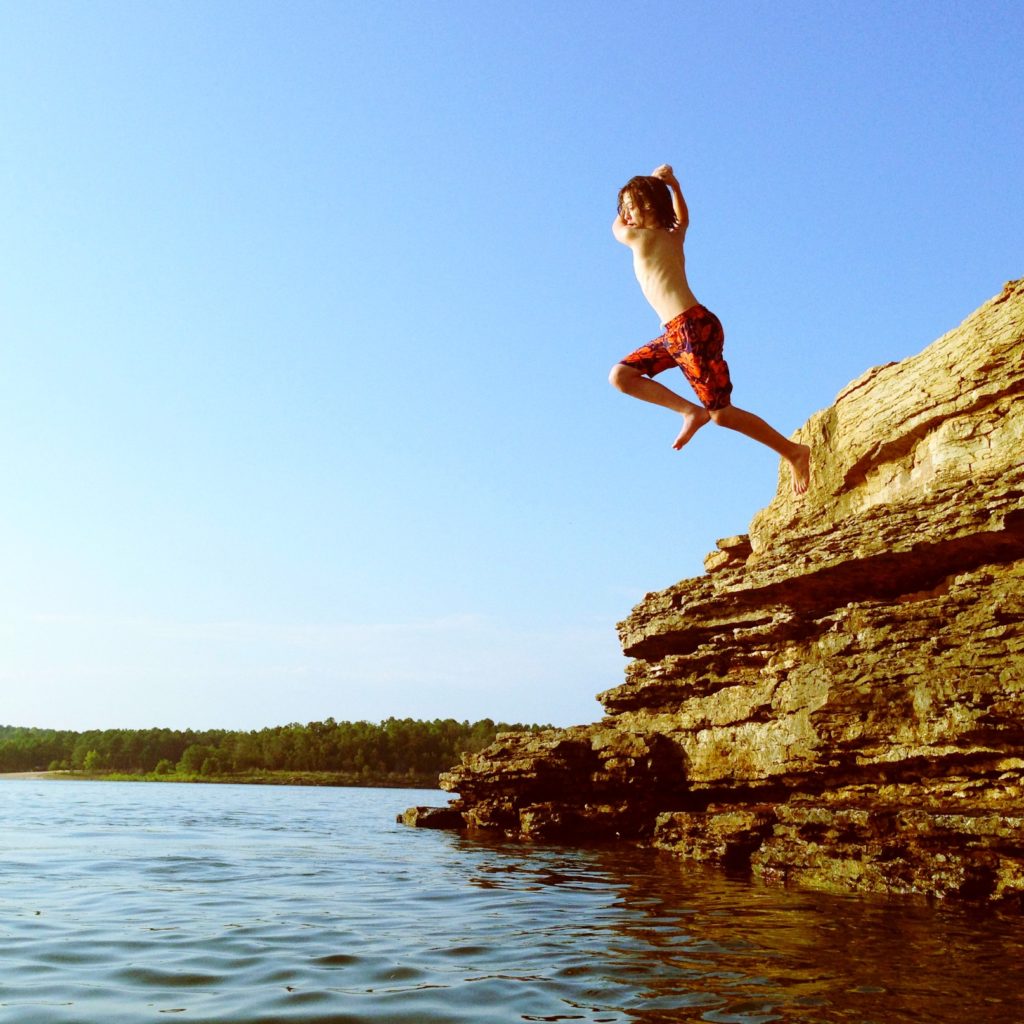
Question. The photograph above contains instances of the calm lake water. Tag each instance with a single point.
(122, 903)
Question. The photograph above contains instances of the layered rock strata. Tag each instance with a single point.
(839, 701)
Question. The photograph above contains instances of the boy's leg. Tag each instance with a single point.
(797, 455)
(631, 381)
(696, 342)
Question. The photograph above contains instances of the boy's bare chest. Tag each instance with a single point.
(659, 265)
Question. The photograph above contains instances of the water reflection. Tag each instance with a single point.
(696, 944)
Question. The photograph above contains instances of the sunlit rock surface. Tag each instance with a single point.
(839, 701)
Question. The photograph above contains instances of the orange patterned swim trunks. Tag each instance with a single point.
(692, 341)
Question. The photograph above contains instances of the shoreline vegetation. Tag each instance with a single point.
(253, 778)
(396, 753)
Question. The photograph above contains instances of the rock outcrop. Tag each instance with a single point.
(839, 700)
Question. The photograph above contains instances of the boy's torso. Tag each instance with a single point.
(659, 263)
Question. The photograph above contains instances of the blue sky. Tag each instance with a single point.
(307, 310)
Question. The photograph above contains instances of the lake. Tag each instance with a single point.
(130, 902)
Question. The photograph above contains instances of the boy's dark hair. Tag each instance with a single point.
(654, 195)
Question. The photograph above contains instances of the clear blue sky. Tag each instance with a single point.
(307, 310)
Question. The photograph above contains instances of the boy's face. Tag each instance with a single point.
(634, 213)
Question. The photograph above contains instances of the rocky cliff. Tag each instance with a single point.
(839, 700)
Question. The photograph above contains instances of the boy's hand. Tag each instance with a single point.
(664, 172)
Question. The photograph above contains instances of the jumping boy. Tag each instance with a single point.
(652, 221)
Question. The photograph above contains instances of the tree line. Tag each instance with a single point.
(397, 748)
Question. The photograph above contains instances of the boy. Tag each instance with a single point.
(652, 221)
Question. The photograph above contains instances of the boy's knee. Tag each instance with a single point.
(622, 375)
(721, 416)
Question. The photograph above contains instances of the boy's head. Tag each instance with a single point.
(646, 202)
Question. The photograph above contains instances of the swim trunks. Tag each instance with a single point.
(692, 341)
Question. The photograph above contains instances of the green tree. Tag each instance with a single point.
(192, 759)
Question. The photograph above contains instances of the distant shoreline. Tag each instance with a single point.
(29, 775)
(264, 778)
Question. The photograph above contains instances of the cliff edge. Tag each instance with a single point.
(839, 700)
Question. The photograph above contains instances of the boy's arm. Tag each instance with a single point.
(667, 175)
(622, 231)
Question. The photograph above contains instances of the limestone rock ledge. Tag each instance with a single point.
(839, 701)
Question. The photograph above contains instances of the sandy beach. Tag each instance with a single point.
(28, 775)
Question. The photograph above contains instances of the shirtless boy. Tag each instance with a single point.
(652, 221)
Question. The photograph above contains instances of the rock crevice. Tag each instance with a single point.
(839, 700)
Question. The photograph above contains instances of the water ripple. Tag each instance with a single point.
(124, 903)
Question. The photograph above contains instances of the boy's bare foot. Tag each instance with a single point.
(692, 422)
(800, 467)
